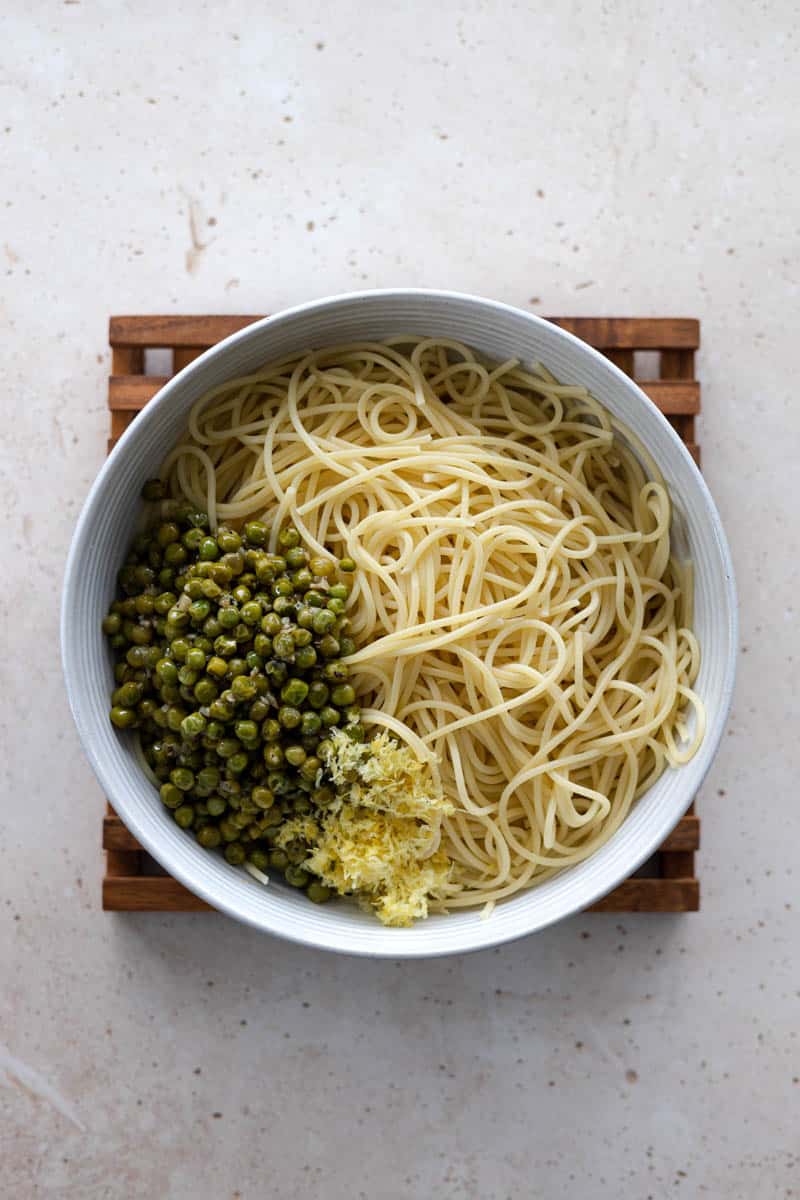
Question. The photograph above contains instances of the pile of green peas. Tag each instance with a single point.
(228, 663)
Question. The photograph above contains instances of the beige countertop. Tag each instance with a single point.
(627, 159)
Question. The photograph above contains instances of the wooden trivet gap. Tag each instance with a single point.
(667, 882)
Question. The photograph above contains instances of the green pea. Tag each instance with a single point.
(329, 647)
(175, 716)
(277, 672)
(166, 577)
(283, 646)
(216, 806)
(225, 646)
(214, 731)
(199, 610)
(335, 672)
(262, 645)
(256, 533)
(294, 692)
(123, 718)
(318, 893)
(329, 716)
(193, 725)
(258, 710)
(305, 657)
(193, 539)
(228, 617)
(258, 859)
(205, 691)
(295, 755)
(184, 816)
(209, 837)
(311, 724)
(290, 717)
(164, 602)
(137, 657)
(237, 666)
(242, 594)
(246, 731)
(273, 756)
(244, 688)
(235, 853)
(187, 676)
(208, 549)
(228, 830)
(253, 661)
(263, 798)
(284, 606)
(212, 628)
(168, 533)
(228, 747)
(175, 554)
(217, 666)
(251, 612)
(346, 564)
(208, 779)
(238, 763)
(335, 606)
(288, 537)
(322, 796)
(310, 768)
(339, 591)
(270, 730)
(128, 696)
(271, 624)
(296, 876)
(318, 694)
(112, 624)
(183, 778)
(305, 617)
(296, 557)
(323, 621)
(170, 795)
(346, 647)
(342, 695)
(228, 541)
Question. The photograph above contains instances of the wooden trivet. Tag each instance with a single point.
(666, 883)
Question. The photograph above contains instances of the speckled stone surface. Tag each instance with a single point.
(625, 159)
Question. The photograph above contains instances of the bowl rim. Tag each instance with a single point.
(481, 937)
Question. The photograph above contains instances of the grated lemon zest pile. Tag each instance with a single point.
(380, 837)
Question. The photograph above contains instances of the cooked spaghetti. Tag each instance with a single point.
(520, 621)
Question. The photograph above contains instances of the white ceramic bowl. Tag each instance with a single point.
(105, 528)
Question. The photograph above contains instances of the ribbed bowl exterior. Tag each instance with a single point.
(105, 528)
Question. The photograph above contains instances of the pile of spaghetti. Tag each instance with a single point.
(520, 622)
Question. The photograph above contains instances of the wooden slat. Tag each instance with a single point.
(652, 895)
(160, 893)
(622, 359)
(183, 355)
(677, 864)
(634, 333)
(677, 364)
(606, 333)
(132, 392)
(166, 332)
(685, 835)
(124, 861)
(127, 360)
(671, 397)
(149, 893)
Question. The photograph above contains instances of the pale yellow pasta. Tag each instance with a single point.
(519, 618)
